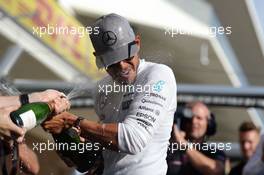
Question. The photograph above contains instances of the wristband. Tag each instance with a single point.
(23, 98)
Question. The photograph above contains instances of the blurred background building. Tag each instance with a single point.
(210, 45)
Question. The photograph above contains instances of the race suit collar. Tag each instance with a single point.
(141, 65)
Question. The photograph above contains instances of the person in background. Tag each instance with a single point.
(197, 123)
(255, 165)
(249, 136)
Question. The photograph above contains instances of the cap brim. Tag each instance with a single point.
(122, 53)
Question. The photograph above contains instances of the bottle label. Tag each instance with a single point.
(29, 119)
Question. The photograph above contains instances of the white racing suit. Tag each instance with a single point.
(144, 116)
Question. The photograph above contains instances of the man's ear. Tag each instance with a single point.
(138, 41)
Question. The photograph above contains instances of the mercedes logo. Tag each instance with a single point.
(109, 38)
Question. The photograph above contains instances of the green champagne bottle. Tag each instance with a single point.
(32, 114)
(68, 136)
(82, 161)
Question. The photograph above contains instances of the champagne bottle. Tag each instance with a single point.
(83, 161)
(32, 114)
(68, 136)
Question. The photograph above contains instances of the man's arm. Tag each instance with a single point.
(105, 134)
(205, 164)
(61, 103)
(201, 162)
(6, 101)
(29, 159)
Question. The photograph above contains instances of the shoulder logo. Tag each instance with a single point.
(158, 86)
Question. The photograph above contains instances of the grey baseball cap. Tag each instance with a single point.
(114, 42)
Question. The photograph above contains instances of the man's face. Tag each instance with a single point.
(125, 71)
(197, 126)
(248, 142)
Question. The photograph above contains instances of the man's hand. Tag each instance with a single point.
(59, 98)
(59, 122)
(45, 96)
(178, 135)
(61, 105)
(7, 127)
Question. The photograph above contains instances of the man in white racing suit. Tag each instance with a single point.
(136, 103)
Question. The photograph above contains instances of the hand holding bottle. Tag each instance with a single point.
(7, 127)
(45, 96)
(33, 114)
(61, 103)
(59, 122)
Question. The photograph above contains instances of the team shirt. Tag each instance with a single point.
(144, 113)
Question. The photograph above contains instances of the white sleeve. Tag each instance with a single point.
(143, 118)
(255, 165)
